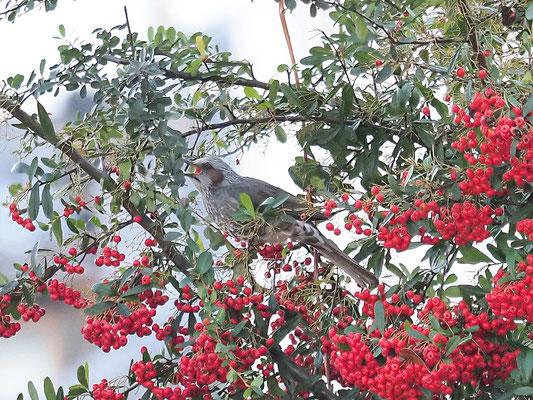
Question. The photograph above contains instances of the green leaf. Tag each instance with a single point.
(285, 329)
(99, 308)
(204, 262)
(455, 342)
(416, 334)
(33, 256)
(529, 15)
(529, 104)
(123, 310)
(379, 315)
(290, 94)
(57, 230)
(252, 93)
(15, 189)
(274, 88)
(347, 100)
(32, 391)
(46, 123)
(384, 73)
(280, 134)
(83, 375)
(472, 255)
(235, 331)
(524, 391)
(49, 390)
(246, 201)
(525, 363)
(34, 202)
(47, 202)
(360, 28)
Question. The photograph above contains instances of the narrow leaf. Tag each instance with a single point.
(34, 203)
(246, 201)
(47, 201)
(46, 124)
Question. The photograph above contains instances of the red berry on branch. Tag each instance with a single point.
(482, 74)
(460, 72)
(145, 280)
(426, 110)
(72, 251)
(379, 63)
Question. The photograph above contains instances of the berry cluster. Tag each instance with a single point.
(111, 257)
(110, 330)
(102, 391)
(69, 268)
(513, 298)
(61, 292)
(525, 226)
(15, 216)
(74, 207)
(33, 313)
(7, 327)
(420, 357)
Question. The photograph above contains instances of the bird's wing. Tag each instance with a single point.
(263, 190)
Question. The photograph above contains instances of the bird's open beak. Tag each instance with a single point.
(191, 164)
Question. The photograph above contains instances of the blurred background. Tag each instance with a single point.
(54, 346)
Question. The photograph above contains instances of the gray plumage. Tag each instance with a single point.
(221, 187)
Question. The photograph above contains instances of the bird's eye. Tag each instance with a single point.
(207, 166)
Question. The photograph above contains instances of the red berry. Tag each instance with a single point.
(379, 63)
(482, 74)
(145, 280)
(460, 72)
(72, 251)
(97, 199)
(426, 110)
(330, 226)
(486, 53)
(137, 218)
(117, 239)
(375, 190)
(270, 342)
(127, 185)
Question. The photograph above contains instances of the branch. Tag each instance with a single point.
(472, 35)
(178, 259)
(319, 388)
(186, 76)
(266, 120)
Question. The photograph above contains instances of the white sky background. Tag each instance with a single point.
(54, 347)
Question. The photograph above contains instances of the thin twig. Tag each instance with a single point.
(288, 40)
(129, 33)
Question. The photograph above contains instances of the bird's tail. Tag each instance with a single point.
(311, 236)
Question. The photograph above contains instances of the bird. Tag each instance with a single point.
(221, 188)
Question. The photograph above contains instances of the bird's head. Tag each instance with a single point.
(209, 173)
